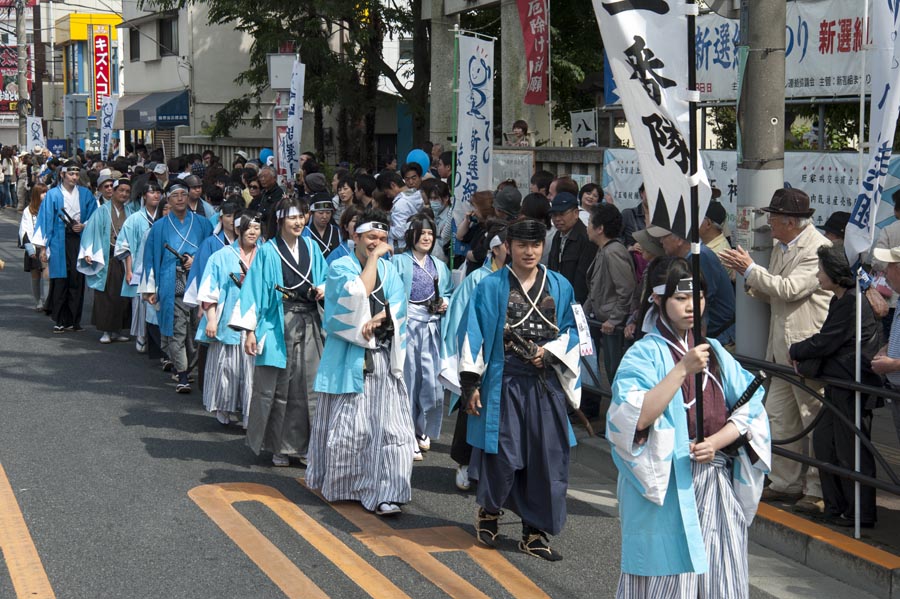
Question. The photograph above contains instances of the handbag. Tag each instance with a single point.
(879, 305)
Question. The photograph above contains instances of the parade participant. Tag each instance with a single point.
(278, 310)
(347, 225)
(57, 235)
(518, 366)
(426, 282)
(33, 262)
(111, 311)
(168, 257)
(363, 440)
(104, 186)
(460, 450)
(196, 203)
(405, 203)
(684, 503)
(228, 376)
(223, 235)
(129, 245)
(321, 229)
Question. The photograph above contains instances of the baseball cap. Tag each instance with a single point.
(562, 202)
(509, 200)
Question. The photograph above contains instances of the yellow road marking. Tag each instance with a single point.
(25, 568)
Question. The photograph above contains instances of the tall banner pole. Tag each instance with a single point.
(695, 205)
(454, 123)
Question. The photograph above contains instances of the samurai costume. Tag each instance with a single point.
(130, 242)
(59, 210)
(229, 370)
(521, 438)
(344, 249)
(684, 524)
(426, 285)
(363, 441)
(105, 274)
(164, 275)
(330, 239)
(289, 338)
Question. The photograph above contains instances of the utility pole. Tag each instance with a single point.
(22, 47)
(760, 119)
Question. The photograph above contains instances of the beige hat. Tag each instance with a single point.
(887, 255)
(648, 242)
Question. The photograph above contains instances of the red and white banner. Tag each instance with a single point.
(102, 56)
(535, 20)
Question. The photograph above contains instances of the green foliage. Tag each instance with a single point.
(723, 121)
(576, 51)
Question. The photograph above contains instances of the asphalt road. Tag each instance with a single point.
(124, 487)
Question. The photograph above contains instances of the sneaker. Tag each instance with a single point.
(534, 543)
(191, 378)
(424, 442)
(388, 509)
(59, 329)
(167, 365)
(417, 455)
(486, 527)
(462, 478)
(105, 338)
(183, 388)
(280, 460)
(810, 504)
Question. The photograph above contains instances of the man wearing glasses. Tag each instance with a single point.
(104, 187)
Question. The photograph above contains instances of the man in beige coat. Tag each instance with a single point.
(798, 310)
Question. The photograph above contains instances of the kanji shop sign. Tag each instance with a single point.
(102, 55)
(536, 33)
(9, 72)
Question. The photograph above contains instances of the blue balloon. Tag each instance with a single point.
(421, 158)
(265, 154)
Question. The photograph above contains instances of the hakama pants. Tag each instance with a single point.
(228, 378)
(138, 317)
(65, 300)
(421, 370)
(724, 532)
(362, 447)
(111, 312)
(283, 404)
(529, 474)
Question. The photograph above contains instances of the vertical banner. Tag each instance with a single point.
(584, 128)
(35, 128)
(646, 43)
(475, 122)
(100, 52)
(884, 109)
(292, 135)
(108, 107)
(536, 33)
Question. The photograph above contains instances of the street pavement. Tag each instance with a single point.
(128, 490)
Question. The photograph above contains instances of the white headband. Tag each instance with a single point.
(292, 211)
(372, 224)
(495, 242)
(685, 285)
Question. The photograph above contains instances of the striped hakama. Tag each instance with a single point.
(362, 446)
(228, 377)
(724, 530)
(421, 370)
(283, 404)
(138, 317)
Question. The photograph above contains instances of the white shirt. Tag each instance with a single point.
(71, 202)
(295, 251)
(406, 204)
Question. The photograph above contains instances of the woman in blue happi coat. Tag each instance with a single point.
(426, 282)
(278, 309)
(223, 235)
(684, 505)
(518, 368)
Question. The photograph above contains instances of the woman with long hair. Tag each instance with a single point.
(33, 262)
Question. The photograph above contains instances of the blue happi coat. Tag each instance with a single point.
(50, 231)
(95, 243)
(661, 533)
(158, 274)
(338, 252)
(480, 339)
(346, 311)
(210, 246)
(129, 243)
(217, 287)
(260, 307)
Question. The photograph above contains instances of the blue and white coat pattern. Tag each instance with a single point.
(217, 287)
(95, 243)
(130, 242)
(50, 230)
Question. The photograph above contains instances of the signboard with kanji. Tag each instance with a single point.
(9, 71)
(101, 54)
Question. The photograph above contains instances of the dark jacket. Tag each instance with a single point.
(267, 200)
(576, 259)
(632, 220)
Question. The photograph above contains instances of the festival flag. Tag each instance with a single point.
(108, 107)
(884, 70)
(35, 128)
(535, 19)
(646, 44)
(294, 129)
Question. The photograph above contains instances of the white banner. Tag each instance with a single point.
(475, 122)
(291, 142)
(884, 70)
(107, 115)
(35, 130)
(646, 45)
(584, 128)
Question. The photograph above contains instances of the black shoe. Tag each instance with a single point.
(486, 527)
(59, 329)
(534, 542)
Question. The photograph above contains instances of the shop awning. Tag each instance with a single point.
(159, 110)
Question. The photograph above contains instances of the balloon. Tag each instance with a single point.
(421, 158)
(265, 154)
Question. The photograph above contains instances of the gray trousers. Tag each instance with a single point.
(180, 346)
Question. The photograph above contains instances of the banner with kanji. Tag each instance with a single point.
(34, 128)
(884, 109)
(646, 43)
(101, 54)
(584, 128)
(294, 129)
(107, 114)
(475, 122)
(9, 72)
(533, 15)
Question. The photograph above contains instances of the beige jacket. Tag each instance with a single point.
(790, 286)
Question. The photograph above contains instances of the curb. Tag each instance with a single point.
(838, 556)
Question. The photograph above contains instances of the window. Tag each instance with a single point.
(134, 44)
(168, 37)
